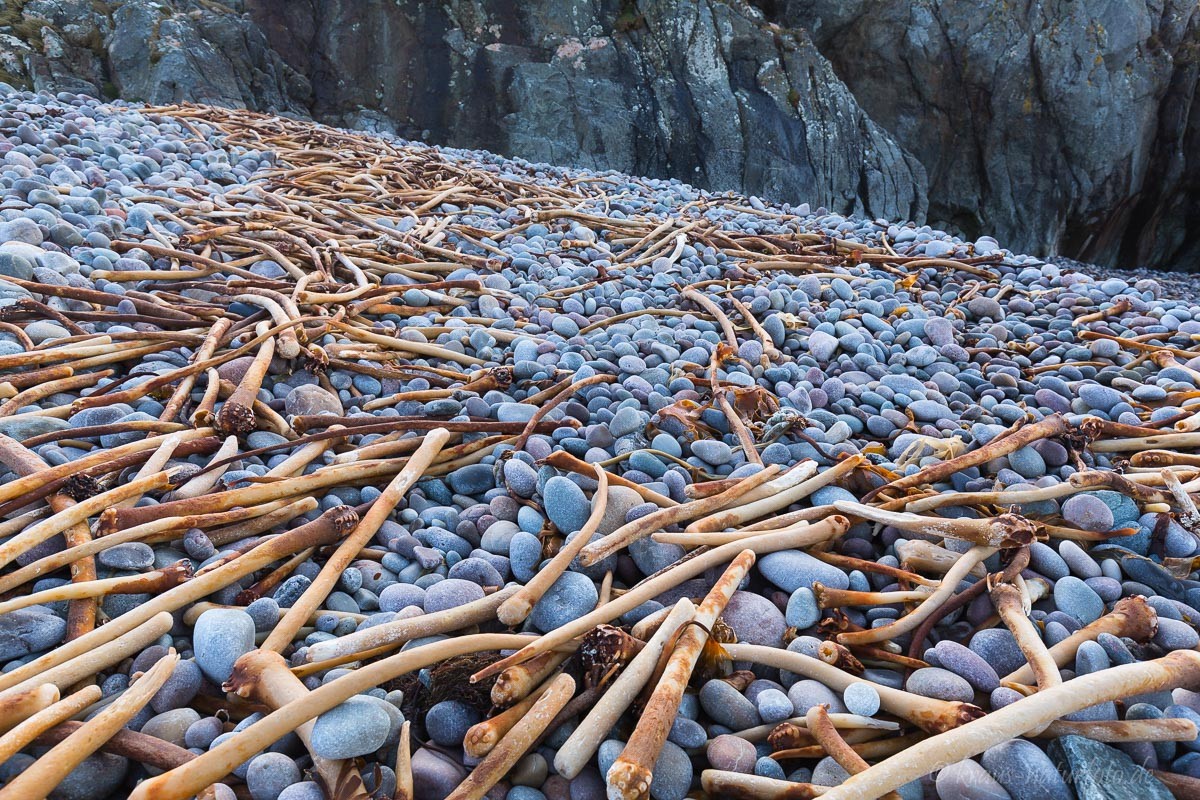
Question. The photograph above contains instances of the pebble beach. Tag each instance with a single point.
(337, 466)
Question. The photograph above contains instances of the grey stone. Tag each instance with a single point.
(29, 630)
(355, 728)
(221, 636)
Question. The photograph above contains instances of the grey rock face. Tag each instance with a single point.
(157, 52)
(1059, 126)
(708, 91)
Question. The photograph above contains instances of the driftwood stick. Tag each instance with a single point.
(516, 742)
(1178, 669)
(43, 775)
(582, 744)
(654, 586)
(348, 550)
(515, 609)
(631, 774)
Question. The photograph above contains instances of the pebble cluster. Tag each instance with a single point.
(895, 344)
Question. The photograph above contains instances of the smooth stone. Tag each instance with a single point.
(792, 569)
(311, 399)
(967, 664)
(807, 693)
(451, 593)
(171, 726)
(355, 728)
(754, 619)
(967, 780)
(621, 500)
(23, 427)
(447, 722)
(940, 683)
(435, 776)
(727, 706)
(565, 504)
(802, 610)
(712, 451)
(269, 774)
(569, 598)
(1073, 596)
(29, 630)
(862, 699)
(135, 556)
(1025, 771)
(520, 478)
(731, 753)
(1088, 512)
(221, 636)
(773, 706)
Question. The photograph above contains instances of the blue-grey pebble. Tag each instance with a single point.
(220, 637)
(355, 728)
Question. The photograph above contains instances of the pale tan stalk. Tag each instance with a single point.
(1052, 426)
(1178, 669)
(404, 776)
(1011, 607)
(262, 675)
(515, 609)
(821, 729)
(349, 549)
(911, 621)
(289, 345)
(183, 390)
(630, 775)
(561, 459)
(119, 519)
(582, 744)
(923, 556)
(236, 417)
(65, 672)
(518, 741)
(18, 705)
(735, 517)
(739, 786)
(519, 681)
(1006, 530)
(715, 538)
(642, 527)
(1000, 498)
(793, 476)
(391, 635)
(926, 713)
(298, 460)
(652, 587)
(1131, 617)
(483, 736)
(326, 529)
(25, 732)
(148, 582)
(31, 483)
(263, 518)
(1166, 729)
(155, 463)
(205, 481)
(42, 776)
(1137, 443)
(150, 531)
(759, 733)
(77, 513)
(206, 769)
